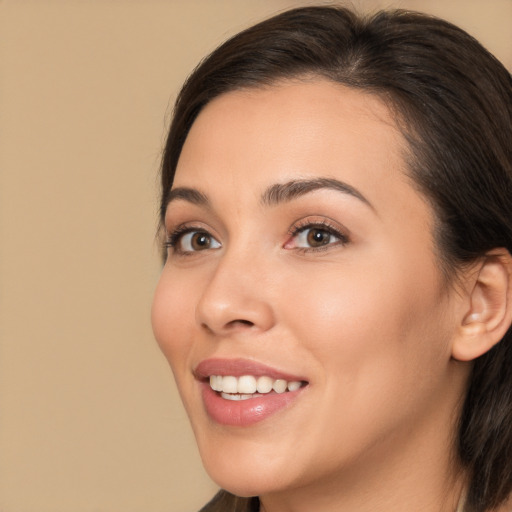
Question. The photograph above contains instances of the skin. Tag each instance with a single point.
(366, 318)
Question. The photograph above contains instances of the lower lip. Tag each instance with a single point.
(243, 413)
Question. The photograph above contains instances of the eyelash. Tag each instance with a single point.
(323, 225)
(174, 238)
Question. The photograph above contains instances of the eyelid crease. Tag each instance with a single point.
(312, 221)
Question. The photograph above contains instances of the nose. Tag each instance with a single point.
(236, 298)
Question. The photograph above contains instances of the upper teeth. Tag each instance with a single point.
(248, 384)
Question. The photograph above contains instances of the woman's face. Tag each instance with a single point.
(301, 252)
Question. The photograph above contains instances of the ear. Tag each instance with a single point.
(489, 313)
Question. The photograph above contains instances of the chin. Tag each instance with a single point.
(244, 469)
(246, 483)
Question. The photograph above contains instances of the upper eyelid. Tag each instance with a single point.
(180, 227)
(173, 234)
(319, 221)
(180, 212)
(185, 228)
(306, 223)
(173, 227)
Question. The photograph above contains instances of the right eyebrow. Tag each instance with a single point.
(191, 195)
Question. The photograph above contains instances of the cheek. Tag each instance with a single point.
(332, 306)
(369, 319)
(379, 359)
(171, 315)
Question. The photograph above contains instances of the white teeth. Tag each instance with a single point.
(229, 384)
(294, 385)
(247, 384)
(280, 386)
(242, 388)
(216, 382)
(264, 384)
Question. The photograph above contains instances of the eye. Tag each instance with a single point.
(197, 241)
(313, 236)
(190, 240)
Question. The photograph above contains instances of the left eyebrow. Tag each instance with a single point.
(283, 192)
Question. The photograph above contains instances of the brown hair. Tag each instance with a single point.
(453, 102)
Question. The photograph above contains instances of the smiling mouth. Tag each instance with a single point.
(250, 386)
(242, 392)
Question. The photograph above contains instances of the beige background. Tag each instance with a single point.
(89, 417)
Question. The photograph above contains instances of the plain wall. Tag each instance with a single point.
(89, 415)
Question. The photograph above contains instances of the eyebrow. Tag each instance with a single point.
(283, 192)
(275, 194)
(191, 195)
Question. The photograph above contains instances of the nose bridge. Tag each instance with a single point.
(236, 297)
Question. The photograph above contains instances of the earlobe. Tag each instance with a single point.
(489, 315)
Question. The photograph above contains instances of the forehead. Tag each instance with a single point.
(245, 141)
(286, 127)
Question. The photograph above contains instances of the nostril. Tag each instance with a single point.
(235, 323)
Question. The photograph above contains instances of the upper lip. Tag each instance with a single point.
(239, 367)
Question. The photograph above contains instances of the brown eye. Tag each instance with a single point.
(194, 241)
(200, 241)
(316, 237)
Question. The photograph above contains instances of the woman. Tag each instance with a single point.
(336, 298)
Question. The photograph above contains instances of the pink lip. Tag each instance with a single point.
(243, 413)
(239, 367)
